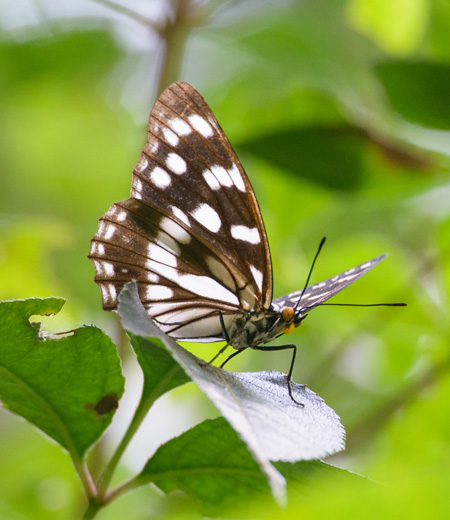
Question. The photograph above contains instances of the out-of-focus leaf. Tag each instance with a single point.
(67, 385)
(418, 91)
(257, 405)
(209, 462)
(331, 157)
(397, 26)
(61, 56)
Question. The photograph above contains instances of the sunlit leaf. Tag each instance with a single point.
(67, 385)
(257, 405)
(209, 462)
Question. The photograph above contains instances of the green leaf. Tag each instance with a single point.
(210, 463)
(305, 471)
(257, 405)
(67, 385)
(330, 157)
(161, 372)
(418, 91)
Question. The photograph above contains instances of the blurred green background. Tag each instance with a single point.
(340, 113)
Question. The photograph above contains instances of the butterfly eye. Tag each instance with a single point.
(287, 314)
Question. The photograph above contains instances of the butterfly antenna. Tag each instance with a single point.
(367, 304)
(322, 242)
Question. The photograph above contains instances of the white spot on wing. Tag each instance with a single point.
(201, 125)
(205, 286)
(170, 136)
(320, 295)
(221, 272)
(109, 268)
(141, 165)
(109, 293)
(250, 235)
(208, 327)
(160, 254)
(122, 215)
(207, 217)
(211, 180)
(180, 215)
(200, 285)
(175, 230)
(258, 276)
(221, 175)
(100, 249)
(180, 127)
(160, 177)
(347, 278)
(237, 179)
(167, 241)
(176, 163)
(110, 230)
(158, 292)
(152, 277)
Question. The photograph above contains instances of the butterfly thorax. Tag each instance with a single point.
(256, 327)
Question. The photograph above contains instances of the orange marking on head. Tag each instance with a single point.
(287, 314)
(287, 329)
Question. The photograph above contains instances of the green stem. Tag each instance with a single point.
(91, 511)
(173, 35)
(144, 406)
(141, 412)
(123, 488)
(85, 477)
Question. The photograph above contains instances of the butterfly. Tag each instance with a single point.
(192, 236)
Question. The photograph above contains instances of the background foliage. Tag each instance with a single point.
(339, 112)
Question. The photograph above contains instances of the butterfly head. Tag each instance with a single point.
(291, 319)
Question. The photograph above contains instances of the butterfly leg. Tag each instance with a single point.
(291, 368)
(218, 354)
(227, 339)
(232, 356)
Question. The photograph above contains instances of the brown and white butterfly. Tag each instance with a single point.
(193, 238)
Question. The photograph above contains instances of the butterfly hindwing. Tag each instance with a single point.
(320, 292)
(179, 279)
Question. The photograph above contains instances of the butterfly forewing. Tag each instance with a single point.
(191, 234)
(189, 167)
(318, 293)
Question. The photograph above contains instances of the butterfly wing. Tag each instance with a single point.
(191, 234)
(320, 292)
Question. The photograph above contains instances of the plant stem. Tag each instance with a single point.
(144, 406)
(174, 35)
(122, 489)
(91, 511)
(85, 477)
